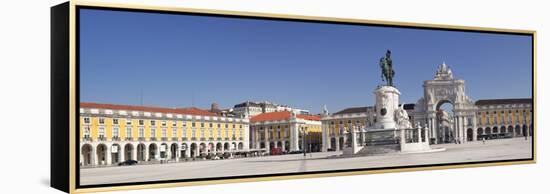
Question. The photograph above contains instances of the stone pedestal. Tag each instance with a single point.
(387, 135)
(387, 101)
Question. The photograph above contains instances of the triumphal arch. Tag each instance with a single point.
(441, 90)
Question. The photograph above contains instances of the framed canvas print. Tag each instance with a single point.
(147, 97)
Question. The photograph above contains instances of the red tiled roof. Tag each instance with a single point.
(309, 117)
(284, 115)
(187, 111)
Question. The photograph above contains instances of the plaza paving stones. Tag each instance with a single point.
(504, 149)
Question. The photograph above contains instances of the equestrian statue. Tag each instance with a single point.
(387, 68)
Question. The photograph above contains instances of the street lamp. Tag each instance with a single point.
(304, 132)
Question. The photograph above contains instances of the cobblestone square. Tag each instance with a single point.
(502, 149)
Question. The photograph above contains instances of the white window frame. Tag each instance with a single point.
(101, 132)
(116, 132)
(129, 132)
(87, 131)
(141, 132)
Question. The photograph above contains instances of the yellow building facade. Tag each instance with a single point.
(110, 134)
(504, 117)
(337, 125)
(285, 132)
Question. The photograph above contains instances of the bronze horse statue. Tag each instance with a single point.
(387, 68)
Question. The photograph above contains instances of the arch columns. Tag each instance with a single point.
(432, 127)
(108, 153)
(146, 152)
(94, 155)
(474, 127)
(324, 137)
(188, 150)
(168, 152)
(178, 152)
(266, 139)
(337, 142)
(134, 152)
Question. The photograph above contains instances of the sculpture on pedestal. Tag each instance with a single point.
(402, 118)
(387, 68)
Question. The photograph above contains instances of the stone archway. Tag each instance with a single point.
(495, 130)
(87, 155)
(173, 151)
(341, 143)
(183, 150)
(141, 152)
(271, 145)
(503, 129)
(470, 134)
(441, 90)
(202, 149)
(163, 151)
(193, 150)
(333, 143)
(128, 152)
(101, 154)
(116, 153)
(479, 133)
(240, 146)
(487, 131)
(153, 152)
(211, 147)
(287, 145)
(219, 147)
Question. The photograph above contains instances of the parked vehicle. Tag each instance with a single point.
(276, 151)
(128, 163)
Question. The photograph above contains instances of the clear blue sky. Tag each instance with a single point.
(174, 59)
